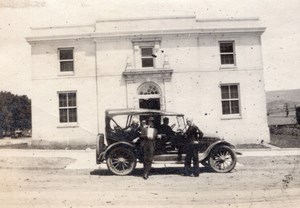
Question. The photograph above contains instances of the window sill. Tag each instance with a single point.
(228, 67)
(231, 117)
(68, 125)
(147, 67)
(61, 74)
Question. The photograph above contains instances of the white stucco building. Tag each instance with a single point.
(210, 70)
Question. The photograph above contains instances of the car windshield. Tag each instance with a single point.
(118, 121)
(181, 123)
(123, 121)
(177, 122)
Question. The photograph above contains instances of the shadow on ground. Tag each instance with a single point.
(154, 171)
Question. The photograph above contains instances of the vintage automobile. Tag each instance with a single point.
(120, 150)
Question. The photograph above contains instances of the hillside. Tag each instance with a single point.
(281, 106)
(279, 101)
(284, 95)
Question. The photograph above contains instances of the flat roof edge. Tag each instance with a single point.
(148, 18)
(62, 27)
(146, 33)
(228, 19)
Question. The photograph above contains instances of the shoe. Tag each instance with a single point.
(187, 174)
(196, 174)
(145, 176)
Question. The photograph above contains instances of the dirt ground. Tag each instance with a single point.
(44, 182)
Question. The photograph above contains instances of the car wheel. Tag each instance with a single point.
(121, 161)
(222, 159)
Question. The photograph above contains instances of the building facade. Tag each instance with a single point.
(210, 70)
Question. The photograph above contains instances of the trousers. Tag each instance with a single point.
(148, 147)
(192, 155)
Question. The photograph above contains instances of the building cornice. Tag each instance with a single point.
(62, 27)
(146, 27)
(58, 38)
(148, 18)
(144, 33)
(228, 19)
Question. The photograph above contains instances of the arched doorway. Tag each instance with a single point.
(149, 95)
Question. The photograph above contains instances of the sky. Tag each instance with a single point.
(280, 42)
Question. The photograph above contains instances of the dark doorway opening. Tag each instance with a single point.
(152, 103)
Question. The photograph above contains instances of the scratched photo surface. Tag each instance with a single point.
(83, 84)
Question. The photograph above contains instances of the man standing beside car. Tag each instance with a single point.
(148, 134)
(193, 134)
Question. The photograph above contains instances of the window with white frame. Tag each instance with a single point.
(66, 59)
(145, 53)
(147, 56)
(67, 107)
(230, 99)
(227, 53)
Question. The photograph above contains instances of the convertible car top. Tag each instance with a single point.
(139, 111)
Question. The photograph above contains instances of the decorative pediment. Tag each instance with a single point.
(136, 74)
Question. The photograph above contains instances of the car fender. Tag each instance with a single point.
(214, 145)
(100, 148)
(117, 144)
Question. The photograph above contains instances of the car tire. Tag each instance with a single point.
(121, 161)
(222, 159)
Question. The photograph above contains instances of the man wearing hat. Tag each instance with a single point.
(193, 134)
(148, 134)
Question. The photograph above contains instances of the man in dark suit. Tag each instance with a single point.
(165, 128)
(148, 134)
(193, 134)
(166, 135)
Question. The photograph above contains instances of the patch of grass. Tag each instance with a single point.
(35, 162)
(251, 146)
(62, 147)
(285, 141)
(15, 146)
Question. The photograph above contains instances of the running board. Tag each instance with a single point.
(168, 157)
